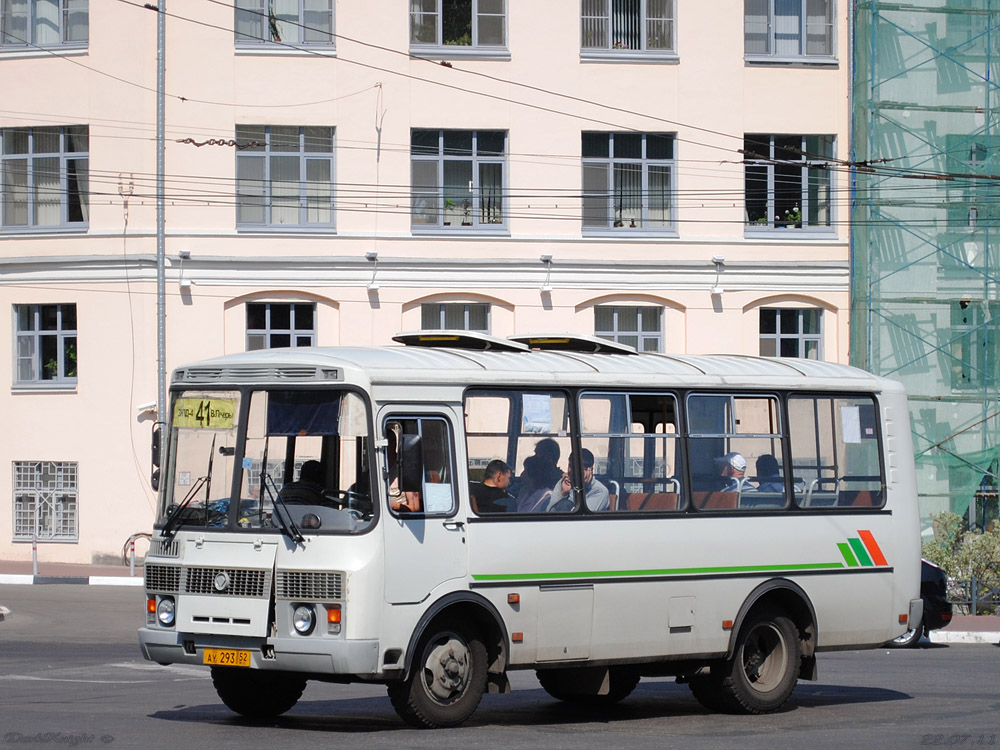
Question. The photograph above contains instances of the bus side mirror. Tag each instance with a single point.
(154, 448)
(411, 464)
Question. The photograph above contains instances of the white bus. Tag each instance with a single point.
(345, 515)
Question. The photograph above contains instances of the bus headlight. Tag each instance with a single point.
(165, 611)
(304, 619)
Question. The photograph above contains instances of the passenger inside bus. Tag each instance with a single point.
(535, 489)
(732, 470)
(769, 477)
(490, 495)
(595, 493)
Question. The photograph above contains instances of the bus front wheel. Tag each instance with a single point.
(763, 671)
(257, 694)
(446, 680)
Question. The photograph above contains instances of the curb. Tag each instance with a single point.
(77, 580)
(965, 636)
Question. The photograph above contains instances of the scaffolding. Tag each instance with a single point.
(925, 213)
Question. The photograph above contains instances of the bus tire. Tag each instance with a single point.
(560, 684)
(446, 681)
(708, 691)
(763, 670)
(257, 694)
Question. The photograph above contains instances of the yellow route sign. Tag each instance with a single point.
(216, 414)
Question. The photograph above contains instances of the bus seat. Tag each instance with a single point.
(856, 499)
(715, 500)
(612, 486)
(661, 501)
(634, 500)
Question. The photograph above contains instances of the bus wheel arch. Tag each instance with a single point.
(457, 653)
(786, 596)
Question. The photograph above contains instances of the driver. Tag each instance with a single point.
(308, 489)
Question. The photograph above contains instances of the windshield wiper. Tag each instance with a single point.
(169, 526)
(287, 525)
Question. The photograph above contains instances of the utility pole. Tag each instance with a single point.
(161, 312)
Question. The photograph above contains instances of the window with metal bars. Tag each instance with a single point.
(46, 501)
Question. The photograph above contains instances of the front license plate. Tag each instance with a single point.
(226, 657)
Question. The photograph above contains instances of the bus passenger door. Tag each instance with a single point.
(425, 543)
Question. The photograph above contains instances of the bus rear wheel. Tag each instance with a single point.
(763, 671)
(257, 694)
(563, 685)
(446, 680)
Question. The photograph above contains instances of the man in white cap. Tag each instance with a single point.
(732, 468)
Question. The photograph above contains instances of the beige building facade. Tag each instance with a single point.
(661, 172)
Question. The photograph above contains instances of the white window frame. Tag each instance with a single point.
(70, 18)
(256, 180)
(621, 335)
(432, 209)
(271, 23)
(617, 222)
(764, 155)
(598, 37)
(295, 334)
(22, 173)
(46, 501)
(426, 19)
(800, 337)
(755, 10)
(441, 310)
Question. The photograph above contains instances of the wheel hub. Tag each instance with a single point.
(447, 668)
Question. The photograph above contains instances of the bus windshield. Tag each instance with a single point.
(302, 467)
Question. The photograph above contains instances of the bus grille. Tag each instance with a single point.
(164, 548)
(309, 586)
(250, 374)
(164, 578)
(252, 583)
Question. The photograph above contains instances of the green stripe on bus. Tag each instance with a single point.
(660, 572)
(861, 552)
(849, 558)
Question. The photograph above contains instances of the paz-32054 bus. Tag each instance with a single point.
(718, 519)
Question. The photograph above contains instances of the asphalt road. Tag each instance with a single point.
(71, 674)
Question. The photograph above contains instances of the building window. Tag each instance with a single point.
(284, 176)
(624, 26)
(458, 178)
(45, 344)
(44, 177)
(458, 23)
(43, 23)
(278, 324)
(284, 21)
(788, 29)
(791, 333)
(45, 501)
(641, 327)
(455, 317)
(628, 181)
(788, 181)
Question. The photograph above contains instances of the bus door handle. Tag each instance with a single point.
(454, 525)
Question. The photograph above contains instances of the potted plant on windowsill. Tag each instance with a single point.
(449, 205)
(793, 218)
(466, 213)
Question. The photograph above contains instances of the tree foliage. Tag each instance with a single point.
(964, 553)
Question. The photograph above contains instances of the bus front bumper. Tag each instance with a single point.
(305, 655)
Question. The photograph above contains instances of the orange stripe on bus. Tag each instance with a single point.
(872, 546)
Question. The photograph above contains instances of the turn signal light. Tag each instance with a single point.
(151, 605)
(727, 624)
(333, 618)
(903, 618)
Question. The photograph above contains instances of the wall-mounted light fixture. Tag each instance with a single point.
(720, 263)
(372, 255)
(184, 284)
(546, 258)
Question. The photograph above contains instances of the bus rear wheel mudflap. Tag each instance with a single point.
(762, 672)
(255, 693)
(589, 686)
(446, 680)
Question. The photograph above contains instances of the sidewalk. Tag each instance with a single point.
(969, 629)
(20, 572)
